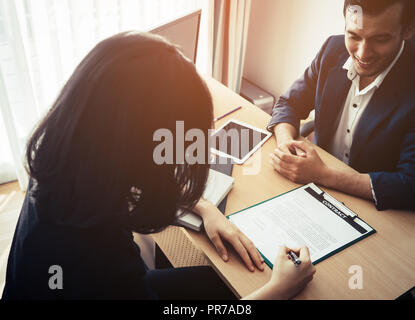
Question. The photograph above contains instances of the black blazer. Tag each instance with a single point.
(384, 141)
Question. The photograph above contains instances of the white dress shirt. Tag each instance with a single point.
(356, 103)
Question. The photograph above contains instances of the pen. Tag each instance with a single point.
(294, 258)
(227, 114)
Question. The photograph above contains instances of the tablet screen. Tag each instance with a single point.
(237, 140)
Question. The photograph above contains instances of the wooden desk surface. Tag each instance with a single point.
(387, 258)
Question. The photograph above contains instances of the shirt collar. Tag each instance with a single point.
(353, 75)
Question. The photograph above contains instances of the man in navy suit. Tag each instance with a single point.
(362, 87)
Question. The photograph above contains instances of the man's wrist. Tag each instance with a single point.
(328, 176)
(283, 138)
(283, 141)
(284, 133)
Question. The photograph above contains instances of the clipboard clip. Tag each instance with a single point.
(352, 216)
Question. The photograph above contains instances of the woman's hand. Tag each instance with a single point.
(287, 279)
(218, 228)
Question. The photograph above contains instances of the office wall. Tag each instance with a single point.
(285, 36)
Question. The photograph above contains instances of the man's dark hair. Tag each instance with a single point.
(94, 149)
(378, 6)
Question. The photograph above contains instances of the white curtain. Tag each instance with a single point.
(231, 22)
(42, 41)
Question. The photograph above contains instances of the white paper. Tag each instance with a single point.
(217, 187)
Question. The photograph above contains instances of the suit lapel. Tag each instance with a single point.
(384, 103)
(334, 96)
(381, 106)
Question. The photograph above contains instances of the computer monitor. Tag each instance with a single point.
(183, 32)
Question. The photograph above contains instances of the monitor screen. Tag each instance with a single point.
(183, 32)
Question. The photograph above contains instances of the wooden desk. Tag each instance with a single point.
(387, 258)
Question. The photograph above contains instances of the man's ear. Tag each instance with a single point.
(409, 31)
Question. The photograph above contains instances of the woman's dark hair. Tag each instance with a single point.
(94, 149)
(378, 6)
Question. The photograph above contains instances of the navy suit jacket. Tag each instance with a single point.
(384, 141)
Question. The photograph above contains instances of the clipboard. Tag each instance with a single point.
(259, 223)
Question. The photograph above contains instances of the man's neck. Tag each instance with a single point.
(365, 81)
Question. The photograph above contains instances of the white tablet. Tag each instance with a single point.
(237, 140)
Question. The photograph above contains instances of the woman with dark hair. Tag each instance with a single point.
(94, 181)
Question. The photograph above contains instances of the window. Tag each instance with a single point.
(42, 41)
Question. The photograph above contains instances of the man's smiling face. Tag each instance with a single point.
(373, 41)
